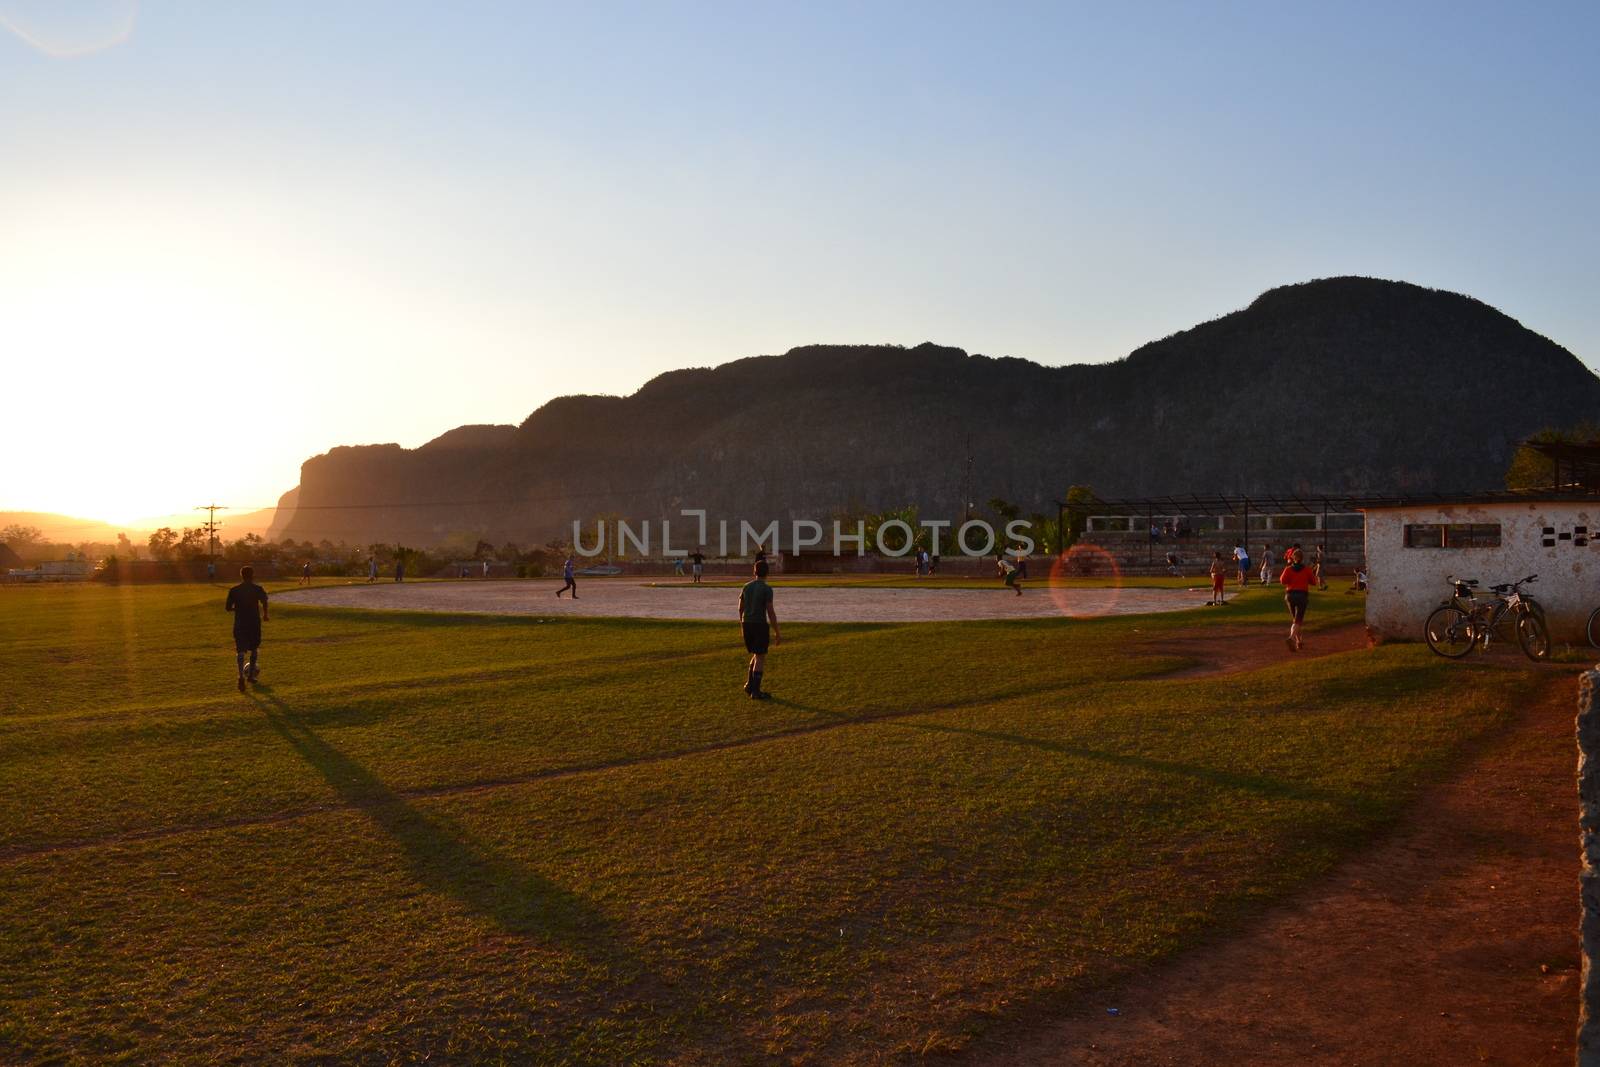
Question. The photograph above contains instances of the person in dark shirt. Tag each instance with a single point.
(699, 560)
(755, 613)
(570, 576)
(248, 602)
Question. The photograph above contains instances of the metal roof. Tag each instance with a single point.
(1576, 465)
(1314, 503)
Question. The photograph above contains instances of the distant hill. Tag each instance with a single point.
(1338, 384)
(63, 529)
(71, 529)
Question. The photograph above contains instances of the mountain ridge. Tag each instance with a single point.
(1338, 384)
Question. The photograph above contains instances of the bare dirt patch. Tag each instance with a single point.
(1453, 940)
(1234, 649)
(651, 599)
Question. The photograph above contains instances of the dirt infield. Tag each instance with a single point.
(649, 599)
(1452, 940)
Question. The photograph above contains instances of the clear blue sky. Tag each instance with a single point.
(381, 220)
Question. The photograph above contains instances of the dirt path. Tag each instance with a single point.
(1232, 649)
(651, 599)
(1452, 941)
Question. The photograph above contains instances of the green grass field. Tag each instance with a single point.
(574, 841)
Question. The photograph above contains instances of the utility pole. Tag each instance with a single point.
(211, 527)
(966, 487)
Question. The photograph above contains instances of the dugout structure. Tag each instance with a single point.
(1136, 533)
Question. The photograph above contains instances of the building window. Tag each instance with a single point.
(1453, 535)
(1424, 535)
(1472, 535)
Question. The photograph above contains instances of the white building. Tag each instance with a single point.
(1413, 546)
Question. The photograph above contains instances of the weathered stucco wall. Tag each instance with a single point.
(1405, 584)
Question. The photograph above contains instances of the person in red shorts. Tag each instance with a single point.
(1297, 579)
(1219, 574)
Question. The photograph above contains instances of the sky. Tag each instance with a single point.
(235, 235)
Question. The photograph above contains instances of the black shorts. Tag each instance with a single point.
(1297, 600)
(246, 640)
(757, 637)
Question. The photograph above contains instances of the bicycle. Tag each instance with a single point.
(1463, 622)
(1531, 604)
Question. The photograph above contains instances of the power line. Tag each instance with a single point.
(211, 527)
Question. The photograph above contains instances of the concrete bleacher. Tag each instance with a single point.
(1135, 552)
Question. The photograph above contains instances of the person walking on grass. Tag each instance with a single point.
(372, 569)
(1296, 579)
(248, 602)
(755, 615)
(305, 573)
(568, 575)
(1241, 556)
(1219, 579)
(1266, 565)
(1316, 567)
(697, 560)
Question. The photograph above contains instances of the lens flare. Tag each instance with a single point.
(69, 30)
(1085, 560)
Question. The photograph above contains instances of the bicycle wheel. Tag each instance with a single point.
(1533, 637)
(1449, 632)
(1593, 629)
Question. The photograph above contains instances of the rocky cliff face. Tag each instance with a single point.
(1339, 384)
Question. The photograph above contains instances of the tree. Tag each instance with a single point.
(1077, 517)
(1003, 508)
(908, 514)
(1530, 470)
(192, 545)
(1042, 529)
(161, 542)
(483, 550)
(126, 548)
(19, 536)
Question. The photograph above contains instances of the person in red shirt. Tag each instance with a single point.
(1297, 579)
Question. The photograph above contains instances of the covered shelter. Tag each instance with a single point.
(1574, 467)
(1137, 533)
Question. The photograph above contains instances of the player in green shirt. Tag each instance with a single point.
(755, 612)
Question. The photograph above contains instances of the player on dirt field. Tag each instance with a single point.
(698, 559)
(248, 602)
(1008, 571)
(568, 575)
(1219, 575)
(755, 613)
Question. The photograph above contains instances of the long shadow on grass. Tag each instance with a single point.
(1254, 783)
(494, 886)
